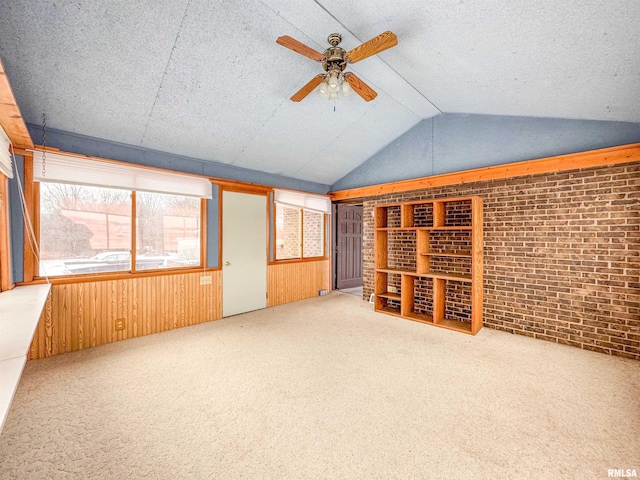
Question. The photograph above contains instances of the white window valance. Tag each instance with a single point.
(85, 171)
(306, 201)
(5, 156)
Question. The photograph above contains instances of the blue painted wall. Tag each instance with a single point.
(213, 228)
(272, 228)
(455, 142)
(16, 223)
(74, 143)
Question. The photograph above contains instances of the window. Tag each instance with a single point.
(168, 230)
(313, 228)
(89, 230)
(299, 233)
(287, 232)
(102, 216)
(84, 229)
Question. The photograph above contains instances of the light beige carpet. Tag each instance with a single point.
(324, 388)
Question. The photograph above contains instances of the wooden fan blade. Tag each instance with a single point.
(308, 88)
(361, 88)
(301, 48)
(375, 45)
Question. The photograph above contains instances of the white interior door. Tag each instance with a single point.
(244, 252)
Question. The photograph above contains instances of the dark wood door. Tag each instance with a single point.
(349, 241)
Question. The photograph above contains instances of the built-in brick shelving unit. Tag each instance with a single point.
(428, 262)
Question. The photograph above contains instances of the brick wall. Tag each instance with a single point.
(561, 255)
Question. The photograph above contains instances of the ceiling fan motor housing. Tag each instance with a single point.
(334, 56)
(334, 59)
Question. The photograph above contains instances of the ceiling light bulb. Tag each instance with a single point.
(346, 88)
(334, 84)
(323, 90)
(333, 96)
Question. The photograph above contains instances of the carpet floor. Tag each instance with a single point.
(324, 388)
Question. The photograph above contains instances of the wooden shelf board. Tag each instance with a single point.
(389, 295)
(420, 317)
(445, 228)
(456, 325)
(444, 254)
(394, 229)
(457, 277)
(389, 310)
(413, 229)
(395, 270)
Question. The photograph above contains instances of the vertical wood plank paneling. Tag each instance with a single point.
(182, 299)
(77, 325)
(290, 282)
(66, 312)
(82, 315)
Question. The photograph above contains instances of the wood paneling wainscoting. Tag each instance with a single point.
(82, 315)
(290, 282)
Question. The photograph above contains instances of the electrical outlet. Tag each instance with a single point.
(322, 292)
(205, 280)
(392, 289)
(120, 324)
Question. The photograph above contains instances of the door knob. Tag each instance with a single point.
(226, 264)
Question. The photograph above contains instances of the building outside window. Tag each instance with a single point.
(299, 233)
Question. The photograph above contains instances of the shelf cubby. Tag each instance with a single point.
(456, 313)
(422, 215)
(387, 292)
(457, 213)
(414, 306)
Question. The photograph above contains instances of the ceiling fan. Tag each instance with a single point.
(334, 61)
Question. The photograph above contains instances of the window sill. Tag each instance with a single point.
(80, 278)
(20, 311)
(298, 260)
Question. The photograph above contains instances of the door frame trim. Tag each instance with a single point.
(252, 190)
(334, 239)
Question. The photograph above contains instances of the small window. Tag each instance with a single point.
(84, 229)
(299, 233)
(168, 234)
(313, 234)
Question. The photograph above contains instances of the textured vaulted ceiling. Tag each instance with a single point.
(206, 79)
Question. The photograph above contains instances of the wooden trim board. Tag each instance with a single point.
(5, 261)
(593, 158)
(10, 117)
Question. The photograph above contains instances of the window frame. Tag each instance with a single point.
(302, 258)
(31, 267)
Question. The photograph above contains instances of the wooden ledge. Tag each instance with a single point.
(593, 158)
(20, 311)
(10, 116)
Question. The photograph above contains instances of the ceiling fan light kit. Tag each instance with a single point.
(334, 61)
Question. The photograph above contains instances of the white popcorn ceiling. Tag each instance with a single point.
(206, 79)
